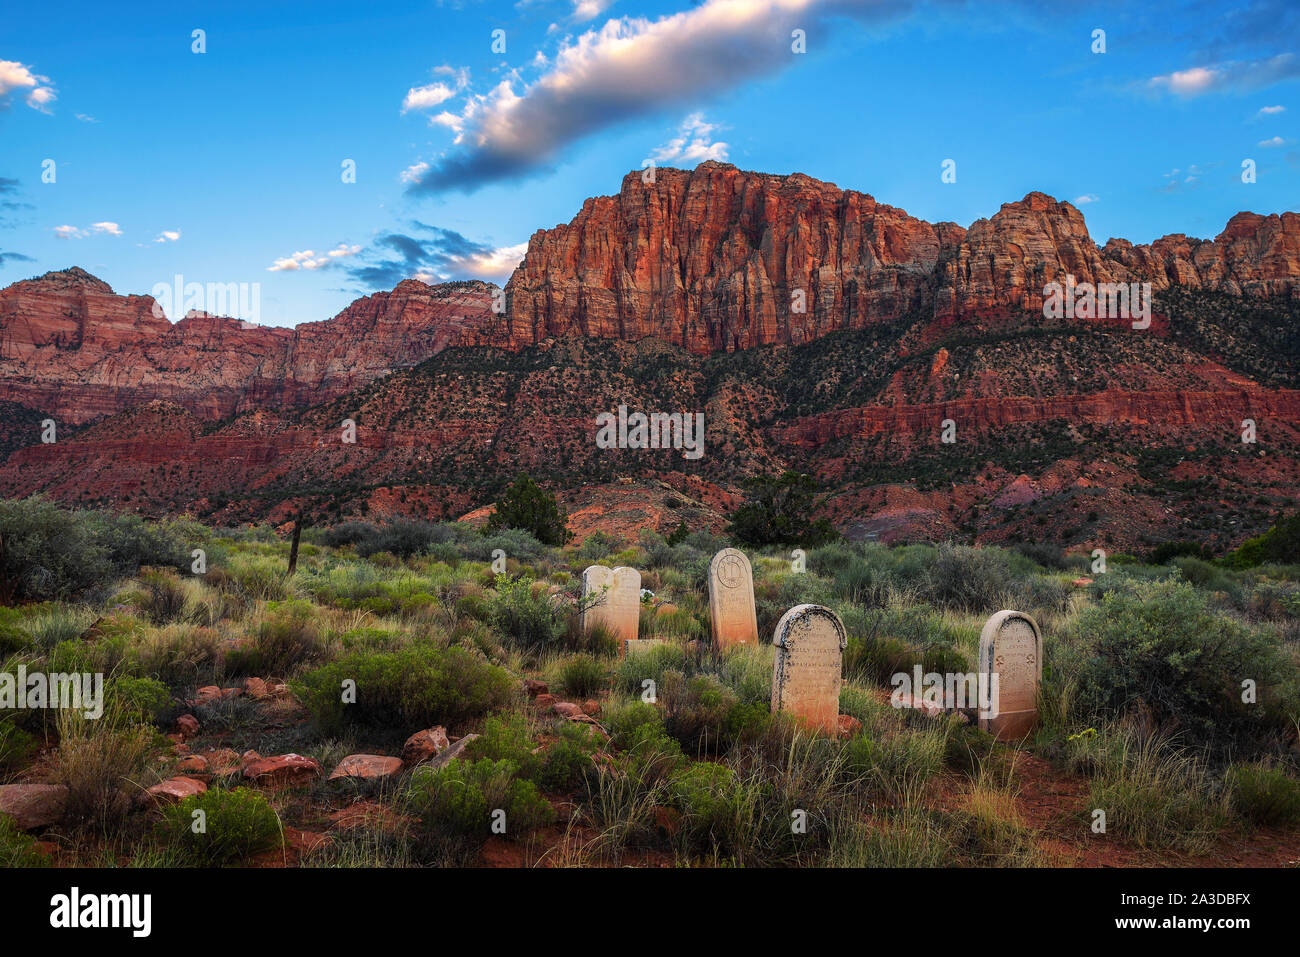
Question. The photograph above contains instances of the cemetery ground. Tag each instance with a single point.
(492, 729)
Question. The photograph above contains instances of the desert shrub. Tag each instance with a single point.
(56, 553)
(1159, 646)
(1154, 794)
(419, 686)
(506, 738)
(968, 579)
(568, 760)
(1279, 545)
(1263, 795)
(136, 700)
(896, 765)
(528, 616)
(967, 748)
(598, 545)
(986, 833)
(528, 506)
(651, 664)
(52, 624)
(16, 746)
(96, 760)
(1043, 553)
(238, 824)
(288, 637)
(459, 799)
(712, 802)
(1166, 552)
(707, 716)
(778, 511)
(164, 595)
(582, 676)
(402, 537)
(1205, 575)
(18, 849)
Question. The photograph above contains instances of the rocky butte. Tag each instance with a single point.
(684, 295)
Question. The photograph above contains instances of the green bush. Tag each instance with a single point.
(288, 637)
(505, 738)
(1263, 795)
(460, 798)
(528, 506)
(778, 511)
(530, 617)
(137, 700)
(1279, 545)
(415, 687)
(568, 760)
(582, 676)
(18, 849)
(1160, 644)
(236, 825)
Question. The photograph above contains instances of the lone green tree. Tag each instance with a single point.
(778, 511)
(528, 506)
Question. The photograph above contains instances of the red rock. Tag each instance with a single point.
(33, 805)
(211, 694)
(193, 764)
(567, 709)
(256, 688)
(283, 769)
(174, 790)
(451, 754)
(535, 688)
(849, 726)
(1081, 582)
(366, 766)
(225, 761)
(591, 707)
(424, 745)
(545, 701)
(187, 726)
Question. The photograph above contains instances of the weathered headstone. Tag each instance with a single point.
(731, 600)
(806, 672)
(1011, 648)
(612, 597)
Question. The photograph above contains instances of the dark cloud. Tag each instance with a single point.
(433, 252)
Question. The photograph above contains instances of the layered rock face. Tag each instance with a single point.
(715, 258)
(70, 347)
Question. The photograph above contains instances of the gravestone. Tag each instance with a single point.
(731, 600)
(618, 608)
(1012, 649)
(806, 672)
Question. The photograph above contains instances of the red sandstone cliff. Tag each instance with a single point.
(71, 347)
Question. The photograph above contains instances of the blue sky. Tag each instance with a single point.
(226, 166)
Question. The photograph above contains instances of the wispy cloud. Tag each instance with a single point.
(1272, 142)
(629, 68)
(1085, 199)
(310, 260)
(1233, 75)
(75, 232)
(15, 76)
(168, 236)
(433, 254)
(693, 144)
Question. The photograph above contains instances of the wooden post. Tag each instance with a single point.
(293, 547)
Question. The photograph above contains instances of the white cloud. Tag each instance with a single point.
(307, 259)
(73, 232)
(436, 93)
(414, 172)
(16, 76)
(628, 68)
(584, 10)
(1272, 142)
(1085, 199)
(168, 236)
(1235, 74)
(1270, 111)
(693, 144)
(497, 264)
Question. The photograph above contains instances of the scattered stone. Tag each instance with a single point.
(423, 745)
(451, 754)
(192, 764)
(366, 767)
(850, 727)
(545, 701)
(33, 805)
(535, 688)
(224, 761)
(1081, 582)
(591, 707)
(210, 694)
(256, 688)
(174, 790)
(187, 726)
(283, 769)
